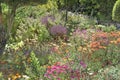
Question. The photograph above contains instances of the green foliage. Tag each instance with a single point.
(34, 70)
(30, 35)
(114, 71)
(4, 8)
(80, 21)
(69, 3)
(50, 5)
(35, 64)
(105, 57)
(99, 8)
(105, 28)
(111, 73)
(15, 61)
(90, 7)
(32, 29)
(23, 13)
(1, 76)
(12, 6)
(105, 9)
(116, 11)
(23, 2)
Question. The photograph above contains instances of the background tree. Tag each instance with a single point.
(102, 9)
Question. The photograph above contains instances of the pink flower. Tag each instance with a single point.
(83, 64)
(58, 79)
(55, 70)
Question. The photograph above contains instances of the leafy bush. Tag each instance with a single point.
(28, 11)
(34, 70)
(79, 21)
(116, 11)
(32, 29)
(111, 73)
(105, 28)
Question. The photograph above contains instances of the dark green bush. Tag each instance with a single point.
(116, 11)
(102, 9)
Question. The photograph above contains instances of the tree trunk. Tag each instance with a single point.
(11, 18)
(2, 32)
(0, 13)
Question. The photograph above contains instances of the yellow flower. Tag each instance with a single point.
(113, 42)
(66, 51)
(16, 76)
(84, 49)
(80, 48)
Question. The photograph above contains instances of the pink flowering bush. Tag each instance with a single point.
(80, 33)
(56, 70)
(66, 71)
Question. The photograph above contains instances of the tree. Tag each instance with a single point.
(13, 5)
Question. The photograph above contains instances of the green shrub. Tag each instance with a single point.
(31, 28)
(116, 11)
(34, 70)
(110, 73)
(105, 28)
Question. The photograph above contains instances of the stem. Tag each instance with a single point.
(66, 12)
(11, 16)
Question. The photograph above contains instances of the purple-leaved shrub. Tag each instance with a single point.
(58, 30)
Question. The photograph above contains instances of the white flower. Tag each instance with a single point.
(26, 77)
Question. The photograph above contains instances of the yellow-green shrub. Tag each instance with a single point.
(116, 11)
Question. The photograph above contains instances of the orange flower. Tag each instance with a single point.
(102, 34)
(94, 44)
(102, 47)
(99, 35)
(118, 33)
(48, 67)
(66, 51)
(118, 40)
(57, 63)
(114, 34)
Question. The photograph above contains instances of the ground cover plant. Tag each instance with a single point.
(46, 45)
